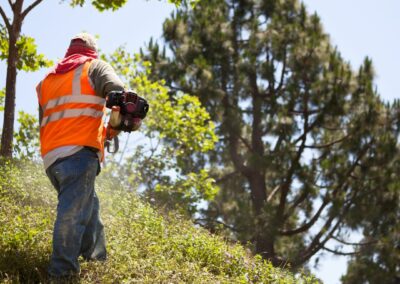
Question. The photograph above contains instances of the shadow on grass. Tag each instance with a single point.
(23, 267)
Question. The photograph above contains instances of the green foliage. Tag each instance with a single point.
(28, 57)
(188, 190)
(26, 143)
(178, 3)
(377, 262)
(26, 220)
(378, 259)
(177, 130)
(3, 42)
(143, 246)
(183, 121)
(103, 5)
(301, 133)
(2, 96)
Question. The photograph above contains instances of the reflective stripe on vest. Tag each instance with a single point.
(71, 113)
(76, 82)
(76, 97)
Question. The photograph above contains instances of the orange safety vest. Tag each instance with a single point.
(72, 113)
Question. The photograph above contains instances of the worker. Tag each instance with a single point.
(72, 133)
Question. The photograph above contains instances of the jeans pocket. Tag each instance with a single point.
(53, 179)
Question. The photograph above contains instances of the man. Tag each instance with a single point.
(72, 105)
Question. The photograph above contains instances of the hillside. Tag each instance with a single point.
(143, 245)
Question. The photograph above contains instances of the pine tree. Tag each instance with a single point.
(299, 129)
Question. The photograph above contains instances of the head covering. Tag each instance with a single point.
(84, 40)
(82, 48)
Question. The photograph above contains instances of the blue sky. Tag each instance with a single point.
(365, 28)
(358, 27)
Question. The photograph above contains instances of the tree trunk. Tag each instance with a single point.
(264, 237)
(258, 194)
(9, 106)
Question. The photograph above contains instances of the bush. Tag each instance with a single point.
(143, 245)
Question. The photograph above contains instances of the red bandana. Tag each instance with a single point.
(75, 56)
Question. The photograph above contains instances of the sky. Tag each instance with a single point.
(358, 28)
(362, 28)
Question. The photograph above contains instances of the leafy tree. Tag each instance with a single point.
(27, 137)
(175, 132)
(20, 53)
(299, 131)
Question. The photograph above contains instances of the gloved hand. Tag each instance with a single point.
(115, 121)
(111, 132)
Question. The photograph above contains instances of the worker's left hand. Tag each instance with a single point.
(111, 132)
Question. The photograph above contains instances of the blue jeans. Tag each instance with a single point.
(78, 229)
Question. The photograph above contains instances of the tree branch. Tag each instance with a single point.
(282, 73)
(279, 142)
(286, 186)
(257, 133)
(316, 244)
(340, 252)
(5, 19)
(299, 200)
(354, 244)
(328, 144)
(310, 127)
(303, 112)
(320, 245)
(30, 7)
(308, 225)
(245, 142)
(273, 192)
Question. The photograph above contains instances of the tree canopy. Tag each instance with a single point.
(302, 136)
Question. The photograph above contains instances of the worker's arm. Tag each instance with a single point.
(104, 80)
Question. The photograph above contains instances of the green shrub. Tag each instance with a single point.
(143, 245)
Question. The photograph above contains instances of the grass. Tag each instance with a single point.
(143, 245)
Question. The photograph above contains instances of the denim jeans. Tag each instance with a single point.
(78, 229)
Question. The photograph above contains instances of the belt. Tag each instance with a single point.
(93, 149)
